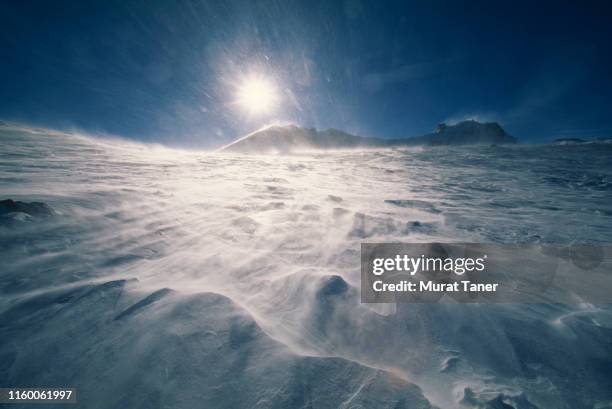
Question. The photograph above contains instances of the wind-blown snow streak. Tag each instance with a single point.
(184, 279)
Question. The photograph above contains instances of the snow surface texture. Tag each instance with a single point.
(179, 279)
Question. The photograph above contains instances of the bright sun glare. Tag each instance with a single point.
(257, 95)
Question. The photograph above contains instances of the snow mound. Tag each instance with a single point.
(121, 348)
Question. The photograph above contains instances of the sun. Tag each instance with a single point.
(258, 95)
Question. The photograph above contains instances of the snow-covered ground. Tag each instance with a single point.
(185, 279)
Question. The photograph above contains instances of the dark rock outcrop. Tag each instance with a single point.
(12, 211)
(34, 209)
(465, 133)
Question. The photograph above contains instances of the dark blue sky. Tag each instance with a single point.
(167, 70)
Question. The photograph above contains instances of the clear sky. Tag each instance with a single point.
(173, 71)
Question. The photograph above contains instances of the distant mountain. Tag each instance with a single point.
(580, 141)
(568, 141)
(466, 133)
(287, 138)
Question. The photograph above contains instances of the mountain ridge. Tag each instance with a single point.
(287, 138)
